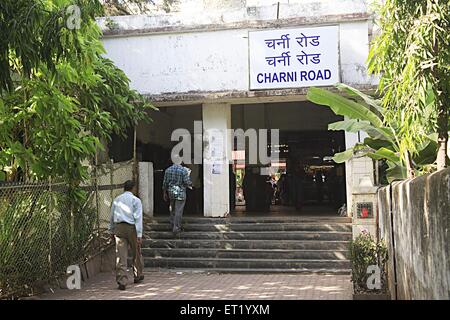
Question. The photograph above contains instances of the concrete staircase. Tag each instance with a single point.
(250, 244)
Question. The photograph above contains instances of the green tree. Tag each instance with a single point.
(129, 7)
(412, 55)
(364, 113)
(59, 95)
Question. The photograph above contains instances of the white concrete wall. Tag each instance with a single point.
(202, 46)
(354, 48)
(204, 61)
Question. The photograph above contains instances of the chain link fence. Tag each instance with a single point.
(43, 230)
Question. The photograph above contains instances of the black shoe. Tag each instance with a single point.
(122, 287)
(139, 280)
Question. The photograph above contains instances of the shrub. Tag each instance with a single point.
(365, 252)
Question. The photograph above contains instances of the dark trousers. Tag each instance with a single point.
(176, 212)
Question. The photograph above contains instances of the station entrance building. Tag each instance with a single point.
(247, 65)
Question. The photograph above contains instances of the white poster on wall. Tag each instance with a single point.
(291, 58)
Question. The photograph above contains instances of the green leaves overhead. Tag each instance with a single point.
(58, 95)
(411, 54)
(408, 126)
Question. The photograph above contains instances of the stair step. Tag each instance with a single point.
(245, 263)
(250, 270)
(275, 244)
(247, 244)
(238, 227)
(262, 235)
(236, 220)
(246, 254)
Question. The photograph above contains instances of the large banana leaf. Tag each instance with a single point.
(375, 103)
(384, 153)
(395, 172)
(350, 125)
(427, 152)
(343, 106)
(379, 143)
(343, 156)
(353, 125)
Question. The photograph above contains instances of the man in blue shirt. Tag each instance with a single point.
(176, 180)
(126, 228)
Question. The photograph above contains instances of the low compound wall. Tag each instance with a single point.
(414, 220)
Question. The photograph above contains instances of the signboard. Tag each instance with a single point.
(291, 58)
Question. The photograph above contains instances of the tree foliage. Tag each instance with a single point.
(59, 95)
(412, 55)
(364, 113)
(129, 7)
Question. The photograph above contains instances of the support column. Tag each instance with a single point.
(216, 121)
(146, 187)
(356, 168)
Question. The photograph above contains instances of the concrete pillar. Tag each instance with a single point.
(216, 121)
(146, 187)
(356, 168)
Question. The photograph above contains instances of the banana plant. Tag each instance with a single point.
(364, 113)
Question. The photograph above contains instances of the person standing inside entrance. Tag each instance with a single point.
(176, 180)
(126, 229)
(299, 180)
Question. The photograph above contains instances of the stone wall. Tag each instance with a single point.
(418, 213)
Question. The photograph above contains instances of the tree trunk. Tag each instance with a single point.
(442, 117)
(409, 165)
(442, 122)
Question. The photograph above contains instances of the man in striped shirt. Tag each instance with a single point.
(176, 180)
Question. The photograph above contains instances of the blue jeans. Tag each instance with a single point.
(176, 212)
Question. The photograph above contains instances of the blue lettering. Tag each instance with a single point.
(275, 78)
(291, 76)
(319, 75)
(257, 78)
(303, 76)
(327, 74)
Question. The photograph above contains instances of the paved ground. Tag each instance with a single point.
(202, 286)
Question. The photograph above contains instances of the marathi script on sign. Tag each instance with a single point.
(293, 57)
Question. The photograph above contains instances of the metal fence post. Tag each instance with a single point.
(96, 196)
(111, 173)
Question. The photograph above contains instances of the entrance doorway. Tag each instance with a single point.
(304, 180)
(154, 145)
